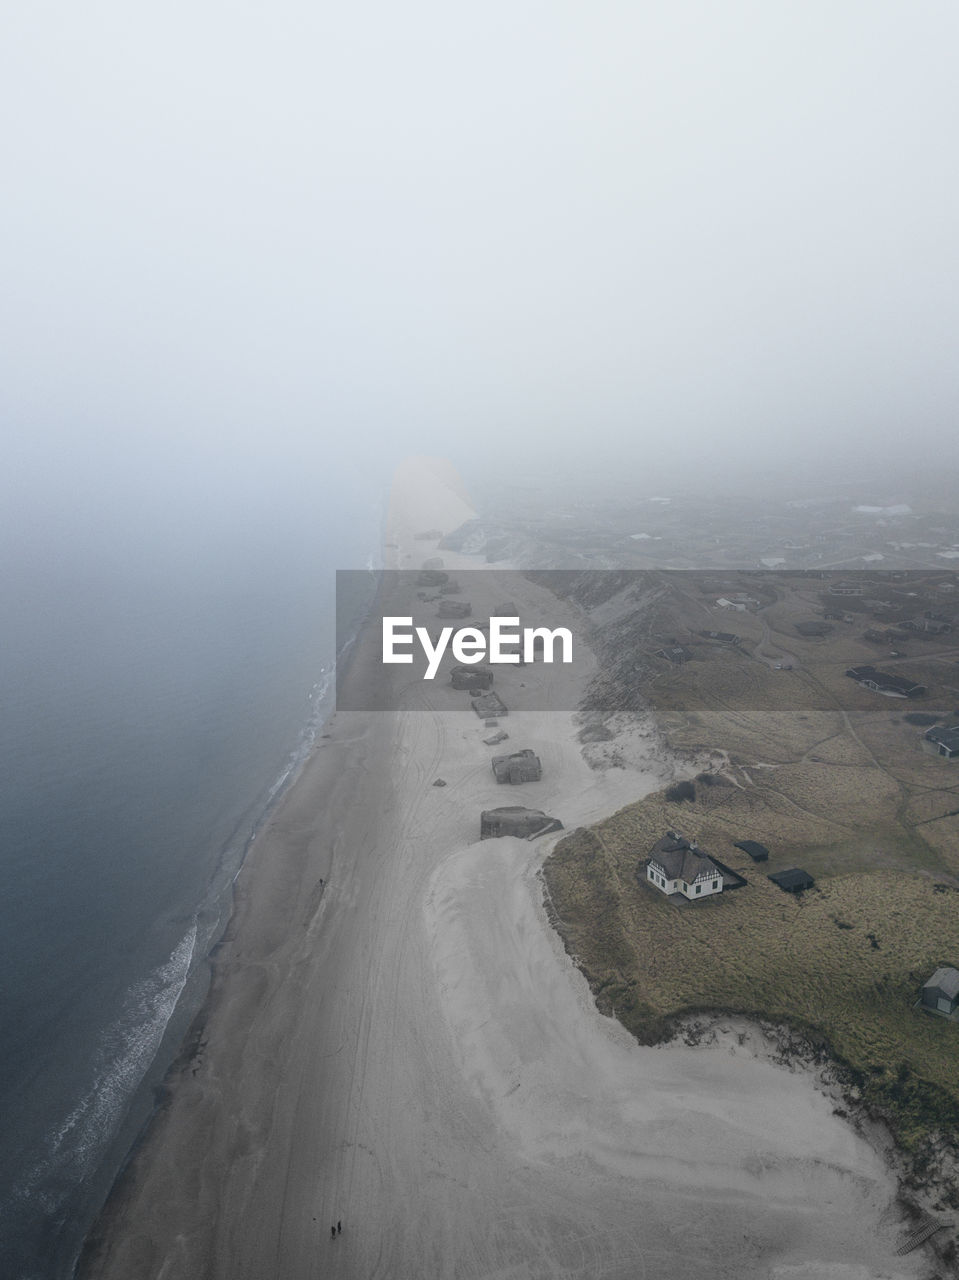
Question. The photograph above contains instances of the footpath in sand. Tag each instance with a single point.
(396, 1040)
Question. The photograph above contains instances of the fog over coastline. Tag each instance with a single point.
(255, 256)
(327, 235)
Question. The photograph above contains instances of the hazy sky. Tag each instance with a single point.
(227, 226)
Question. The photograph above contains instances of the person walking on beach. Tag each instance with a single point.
(332, 1233)
(339, 1227)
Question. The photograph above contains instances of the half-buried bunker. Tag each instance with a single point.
(472, 678)
(514, 820)
(488, 705)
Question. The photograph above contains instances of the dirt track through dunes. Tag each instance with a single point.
(411, 1052)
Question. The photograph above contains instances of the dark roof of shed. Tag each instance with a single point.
(792, 878)
(946, 980)
(947, 735)
(753, 848)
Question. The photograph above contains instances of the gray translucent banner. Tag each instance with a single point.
(494, 641)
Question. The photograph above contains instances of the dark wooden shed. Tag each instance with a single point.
(758, 852)
(792, 881)
(941, 993)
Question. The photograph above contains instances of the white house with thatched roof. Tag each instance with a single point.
(678, 865)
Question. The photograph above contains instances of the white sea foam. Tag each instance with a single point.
(125, 1051)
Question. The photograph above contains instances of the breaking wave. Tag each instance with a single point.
(122, 1057)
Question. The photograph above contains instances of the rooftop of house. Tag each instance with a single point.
(947, 735)
(681, 859)
(883, 678)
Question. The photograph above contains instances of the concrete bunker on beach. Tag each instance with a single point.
(518, 766)
(472, 678)
(515, 820)
(489, 705)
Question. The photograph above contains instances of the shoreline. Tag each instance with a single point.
(154, 1092)
(406, 1046)
(306, 778)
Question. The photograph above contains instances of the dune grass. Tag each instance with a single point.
(844, 961)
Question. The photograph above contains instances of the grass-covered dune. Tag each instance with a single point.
(844, 962)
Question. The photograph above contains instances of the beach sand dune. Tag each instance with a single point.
(406, 1048)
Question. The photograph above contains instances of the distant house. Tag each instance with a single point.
(930, 625)
(846, 589)
(792, 881)
(723, 603)
(882, 682)
(675, 653)
(758, 852)
(942, 742)
(518, 766)
(678, 865)
(935, 624)
(724, 637)
(514, 820)
(941, 993)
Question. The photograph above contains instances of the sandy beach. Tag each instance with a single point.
(396, 1039)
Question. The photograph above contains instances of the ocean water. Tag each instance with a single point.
(156, 695)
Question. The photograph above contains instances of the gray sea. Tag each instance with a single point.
(157, 693)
